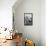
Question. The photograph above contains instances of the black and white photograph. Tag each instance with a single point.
(28, 18)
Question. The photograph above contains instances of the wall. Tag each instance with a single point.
(29, 32)
(43, 22)
(6, 13)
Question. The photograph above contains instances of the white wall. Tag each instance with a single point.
(30, 32)
(6, 13)
(43, 22)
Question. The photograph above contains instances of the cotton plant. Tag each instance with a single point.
(1, 29)
(2, 32)
(5, 31)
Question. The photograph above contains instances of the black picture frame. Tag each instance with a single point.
(28, 18)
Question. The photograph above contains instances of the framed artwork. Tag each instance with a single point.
(28, 18)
